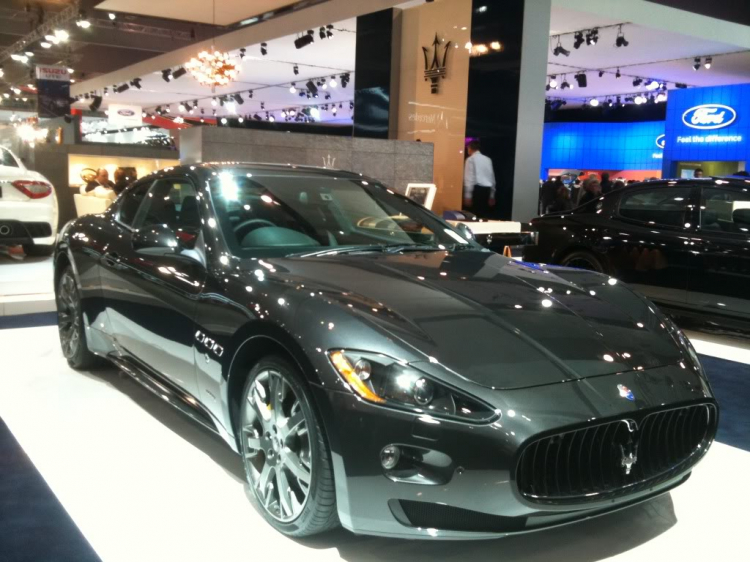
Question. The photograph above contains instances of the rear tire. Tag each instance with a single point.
(38, 250)
(583, 259)
(70, 324)
(285, 451)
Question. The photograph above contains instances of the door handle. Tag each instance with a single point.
(111, 259)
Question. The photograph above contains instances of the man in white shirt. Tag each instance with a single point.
(479, 182)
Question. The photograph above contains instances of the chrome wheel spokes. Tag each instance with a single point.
(276, 446)
(68, 315)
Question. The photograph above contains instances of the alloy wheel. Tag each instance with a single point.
(276, 446)
(68, 314)
(581, 262)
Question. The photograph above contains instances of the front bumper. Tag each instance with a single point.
(473, 494)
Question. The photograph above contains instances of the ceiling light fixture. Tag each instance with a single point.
(292, 89)
(553, 82)
(295, 69)
(82, 21)
(592, 37)
(213, 68)
(560, 50)
(652, 85)
(696, 63)
(581, 79)
(264, 49)
(304, 40)
(593, 102)
(578, 39)
(621, 41)
(46, 45)
(617, 74)
(708, 62)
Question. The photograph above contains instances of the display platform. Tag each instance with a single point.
(142, 482)
(26, 286)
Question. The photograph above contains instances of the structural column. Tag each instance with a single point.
(505, 109)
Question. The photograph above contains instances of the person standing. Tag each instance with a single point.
(549, 192)
(606, 183)
(479, 182)
(593, 191)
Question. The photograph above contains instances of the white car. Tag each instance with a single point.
(28, 207)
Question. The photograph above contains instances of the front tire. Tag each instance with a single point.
(70, 324)
(284, 450)
(582, 259)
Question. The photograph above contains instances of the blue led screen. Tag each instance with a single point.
(602, 146)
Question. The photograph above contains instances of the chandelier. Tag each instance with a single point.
(213, 68)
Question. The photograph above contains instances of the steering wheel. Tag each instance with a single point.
(242, 229)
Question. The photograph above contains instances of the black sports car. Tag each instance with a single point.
(375, 367)
(685, 244)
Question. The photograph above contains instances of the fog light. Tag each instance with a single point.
(390, 456)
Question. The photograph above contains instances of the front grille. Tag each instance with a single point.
(615, 458)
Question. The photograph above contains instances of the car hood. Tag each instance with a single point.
(492, 320)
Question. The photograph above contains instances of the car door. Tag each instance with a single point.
(720, 285)
(650, 240)
(151, 299)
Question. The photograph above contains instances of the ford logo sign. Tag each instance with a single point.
(126, 112)
(709, 116)
(660, 141)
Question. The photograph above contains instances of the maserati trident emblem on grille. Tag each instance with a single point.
(629, 456)
(625, 392)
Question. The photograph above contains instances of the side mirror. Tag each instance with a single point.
(465, 231)
(155, 240)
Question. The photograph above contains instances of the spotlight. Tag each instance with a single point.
(581, 79)
(601, 73)
(120, 89)
(179, 73)
(680, 85)
(315, 113)
(181, 107)
(62, 35)
(553, 82)
(652, 85)
(238, 98)
(46, 45)
(242, 52)
(332, 82)
(223, 120)
(592, 37)
(560, 50)
(593, 102)
(112, 16)
(96, 104)
(640, 99)
(708, 63)
(264, 49)
(696, 63)
(166, 74)
(231, 107)
(333, 110)
(345, 79)
(578, 40)
(271, 118)
(295, 69)
(610, 103)
(292, 89)
(564, 85)
(262, 105)
(661, 97)
(213, 102)
(322, 32)
(311, 87)
(621, 41)
(329, 30)
(136, 83)
(250, 94)
(637, 82)
(257, 117)
(617, 74)
(82, 21)
(328, 96)
(304, 40)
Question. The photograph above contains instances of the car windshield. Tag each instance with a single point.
(262, 212)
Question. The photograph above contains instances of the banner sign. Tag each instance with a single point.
(53, 91)
(125, 116)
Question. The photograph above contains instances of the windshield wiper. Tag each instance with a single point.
(379, 248)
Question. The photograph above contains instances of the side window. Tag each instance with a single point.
(131, 201)
(172, 202)
(664, 206)
(725, 210)
(6, 159)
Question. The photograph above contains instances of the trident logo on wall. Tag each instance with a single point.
(435, 70)
(329, 162)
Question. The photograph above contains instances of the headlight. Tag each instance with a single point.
(383, 380)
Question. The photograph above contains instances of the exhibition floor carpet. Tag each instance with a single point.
(141, 482)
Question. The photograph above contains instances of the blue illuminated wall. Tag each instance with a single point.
(730, 143)
(602, 146)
